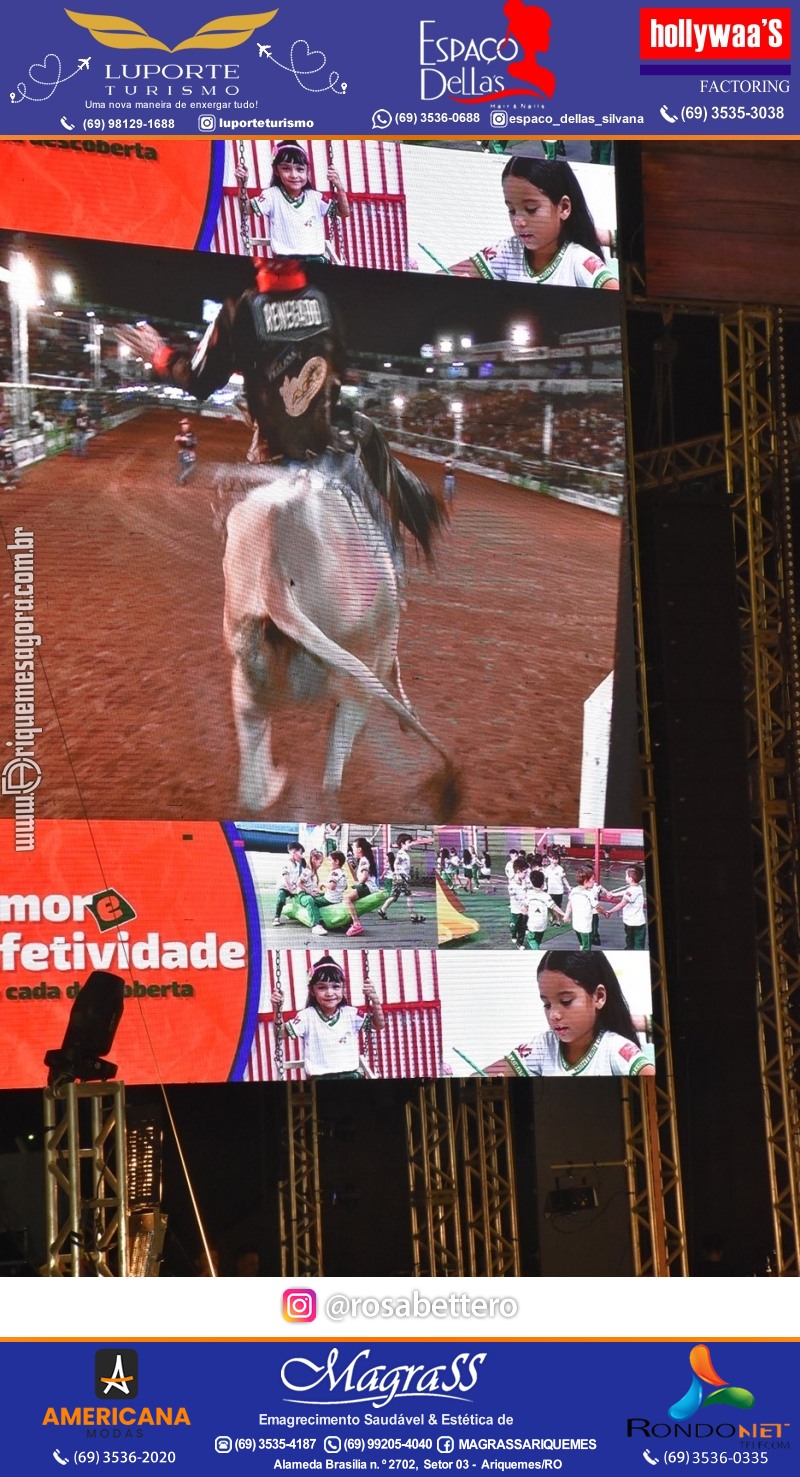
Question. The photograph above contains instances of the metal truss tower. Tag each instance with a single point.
(753, 454)
(86, 1180)
(757, 464)
(462, 1182)
(299, 1188)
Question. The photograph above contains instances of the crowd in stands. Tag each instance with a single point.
(587, 431)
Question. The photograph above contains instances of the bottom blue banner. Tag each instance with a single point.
(381, 1406)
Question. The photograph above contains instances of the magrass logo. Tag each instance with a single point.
(126, 35)
(704, 1374)
(116, 1374)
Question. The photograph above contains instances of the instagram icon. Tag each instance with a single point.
(299, 1305)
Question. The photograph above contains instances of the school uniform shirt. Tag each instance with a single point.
(594, 894)
(610, 1055)
(335, 888)
(330, 1043)
(509, 869)
(572, 265)
(295, 227)
(402, 865)
(580, 901)
(556, 880)
(518, 895)
(309, 882)
(539, 910)
(290, 876)
(633, 914)
(364, 877)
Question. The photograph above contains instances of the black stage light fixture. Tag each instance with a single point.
(90, 1032)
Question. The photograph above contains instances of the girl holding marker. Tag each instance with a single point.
(555, 242)
(590, 1029)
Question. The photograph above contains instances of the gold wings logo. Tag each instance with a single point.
(125, 35)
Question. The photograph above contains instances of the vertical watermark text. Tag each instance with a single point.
(21, 775)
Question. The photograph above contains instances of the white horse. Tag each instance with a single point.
(312, 612)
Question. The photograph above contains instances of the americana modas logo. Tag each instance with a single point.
(126, 35)
(116, 1374)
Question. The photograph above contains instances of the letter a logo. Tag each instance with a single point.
(116, 1373)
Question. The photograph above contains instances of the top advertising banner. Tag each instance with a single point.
(471, 69)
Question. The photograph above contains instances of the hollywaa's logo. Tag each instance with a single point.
(527, 35)
(217, 35)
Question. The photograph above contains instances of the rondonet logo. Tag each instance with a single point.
(721, 34)
(699, 1394)
(360, 1382)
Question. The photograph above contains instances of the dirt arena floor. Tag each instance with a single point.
(499, 646)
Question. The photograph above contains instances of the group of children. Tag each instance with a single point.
(301, 878)
(538, 885)
(467, 871)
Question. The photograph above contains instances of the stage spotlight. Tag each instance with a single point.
(90, 1033)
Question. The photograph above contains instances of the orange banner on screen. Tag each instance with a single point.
(160, 904)
(152, 192)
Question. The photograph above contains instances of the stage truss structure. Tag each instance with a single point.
(462, 1180)
(86, 1179)
(299, 1197)
(753, 454)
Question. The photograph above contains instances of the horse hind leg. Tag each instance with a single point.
(261, 780)
(351, 716)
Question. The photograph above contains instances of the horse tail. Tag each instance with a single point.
(295, 624)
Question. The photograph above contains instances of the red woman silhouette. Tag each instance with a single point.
(530, 27)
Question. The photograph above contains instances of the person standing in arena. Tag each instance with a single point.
(186, 442)
(80, 433)
(449, 485)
